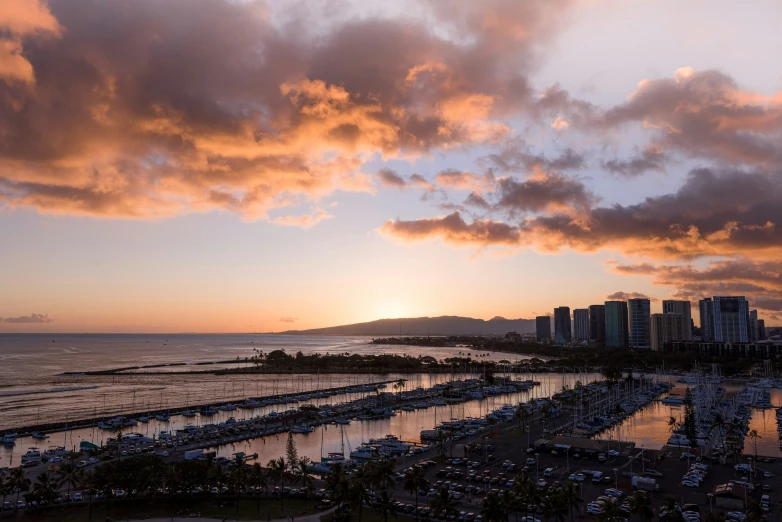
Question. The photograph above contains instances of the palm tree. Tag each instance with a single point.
(718, 423)
(336, 484)
(357, 490)
(641, 506)
(415, 481)
(672, 424)
(754, 435)
(87, 481)
(442, 502)
(383, 473)
(45, 488)
(527, 492)
(672, 511)
(303, 474)
(238, 480)
(68, 475)
(19, 482)
(278, 471)
(714, 516)
(610, 513)
(258, 478)
(217, 478)
(556, 508)
(385, 505)
(5, 489)
(494, 509)
(571, 497)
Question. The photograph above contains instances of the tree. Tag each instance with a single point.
(385, 505)
(571, 497)
(382, 473)
(87, 482)
(278, 472)
(442, 502)
(690, 423)
(357, 490)
(291, 454)
(258, 479)
(68, 475)
(217, 478)
(303, 474)
(494, 509)
(336, 485)
(414, 481)
(718, 423)
(556, 508)
(19, 483)
(611, 513)
(238, 480)
(641, 506)
(527, 492)
(45, 489)
(754, 435)
(670, 510)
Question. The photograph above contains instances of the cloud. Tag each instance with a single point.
(544, 193)
(303, 221)
(759, 281)
(464, 180)
(624, 296)
(390, 178)
(714, 213)
(641, 163)
(516, 156)
(453, 229)
(287, 319)
(149, 109)
(702, 114)
(27, 319)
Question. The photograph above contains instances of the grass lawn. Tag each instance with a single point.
(209, 507)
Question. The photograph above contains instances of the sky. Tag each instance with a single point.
(251, 166)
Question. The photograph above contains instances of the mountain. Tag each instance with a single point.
(444, 325)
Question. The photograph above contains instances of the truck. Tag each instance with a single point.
(193, 454)
(645, 483)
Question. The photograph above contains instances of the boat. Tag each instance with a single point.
(40, 436)
(188, 413)
(227, 407)
(163, 417)
(302, 429)
(673, 401)
(341, 421)
(32, 455)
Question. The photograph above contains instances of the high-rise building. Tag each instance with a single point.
(543, 328)
(683, 308)
(706, 309)
(731, 316)
(753, 326)
(581, 324)
(562, 325)
(616, 324)
(597, 323)
(665, 328)
(639, 311)
(761, 330)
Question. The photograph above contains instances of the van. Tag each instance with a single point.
(548, 472)
(597, 477)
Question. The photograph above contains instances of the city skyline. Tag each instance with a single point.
(245, 166)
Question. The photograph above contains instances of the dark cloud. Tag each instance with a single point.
(476, 200)
(641, 163)
(390, 178)
(713, 213)
(624, 296)
(517, 156)
(545, 192)
(150, 108)
(27, 319)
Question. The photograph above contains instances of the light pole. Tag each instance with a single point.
(643, 461)
(616, 477)
(567, 456)
(711, 496)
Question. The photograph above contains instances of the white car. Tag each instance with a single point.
(613, 492)
(580, 477)
(691, 516)
(613, 453)
(595, 509)
(767, 474)
(164, 454)
(689, 484)
(77, 497)
(736, 515)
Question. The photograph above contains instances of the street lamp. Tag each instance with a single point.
(567, 456)
(711, 496)
(616, 478)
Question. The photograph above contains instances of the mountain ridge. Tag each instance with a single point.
(440, 325)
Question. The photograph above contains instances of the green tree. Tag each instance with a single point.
(442, 502)
(45, 489)
(611, 513)
(358, 493)
(494, 508)
(336, 485)
(278, 472)
(258, 479)
(556, 508)
(385, 506)
(68, 475)
(571, 497)
(87, 482)
(414, 481)
(303, 475)
(641, 506)
(291, 455)
(690, 423)
(19, 483)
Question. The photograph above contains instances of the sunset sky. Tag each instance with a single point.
(232, 166)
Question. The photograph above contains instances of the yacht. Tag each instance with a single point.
(40, 436)
(188, 413)
(301, 429)
(163, 417)
(32, 455)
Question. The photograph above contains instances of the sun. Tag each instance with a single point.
(393, 309)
